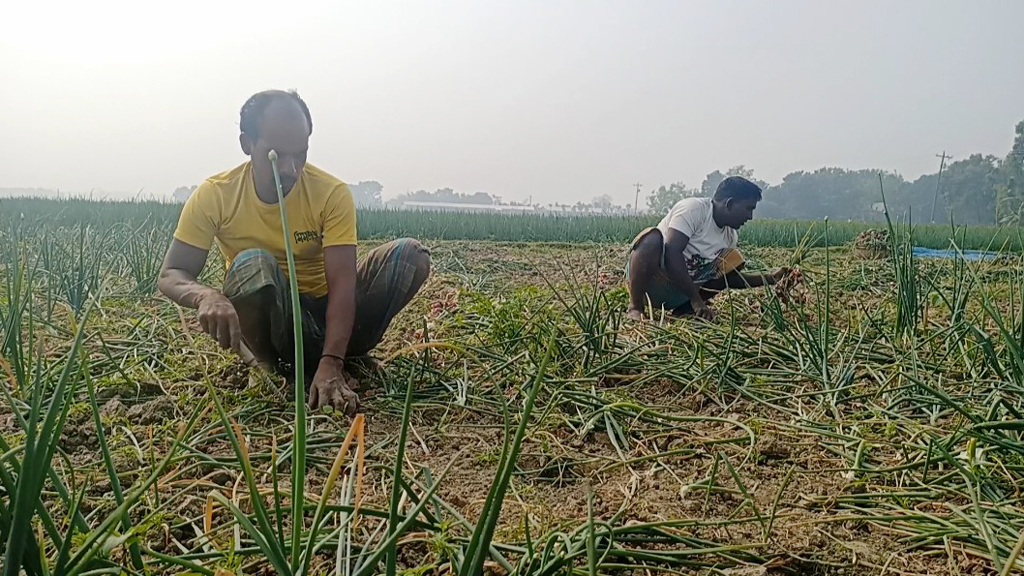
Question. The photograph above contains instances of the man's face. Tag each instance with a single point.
(739, 212)
(282, 128)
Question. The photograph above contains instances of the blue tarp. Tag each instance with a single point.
(973, 255)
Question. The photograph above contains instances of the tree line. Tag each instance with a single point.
(978, 189)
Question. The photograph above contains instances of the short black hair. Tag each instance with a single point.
(252, 110)
(738, 188)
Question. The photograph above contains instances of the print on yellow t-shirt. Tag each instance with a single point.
(320, 210)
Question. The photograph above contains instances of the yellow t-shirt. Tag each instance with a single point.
(225, 207)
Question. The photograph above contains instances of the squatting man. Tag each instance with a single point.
(346, 305)
(691, 255)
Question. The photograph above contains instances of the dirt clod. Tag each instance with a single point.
(114, 407)
(152, 412)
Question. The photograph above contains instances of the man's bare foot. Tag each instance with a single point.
(634, 314)
(363, 369)
(365, 363)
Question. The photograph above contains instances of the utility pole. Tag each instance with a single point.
(637, 201)
(942, 164)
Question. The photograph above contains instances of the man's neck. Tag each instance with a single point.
(267, 196)
(266, 193)
(715, 214)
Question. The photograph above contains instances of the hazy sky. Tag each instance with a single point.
(561, 100)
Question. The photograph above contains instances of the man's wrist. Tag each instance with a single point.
(202, 294)
(336, 359)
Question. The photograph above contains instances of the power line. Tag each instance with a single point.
(942, 164)
(637, 201)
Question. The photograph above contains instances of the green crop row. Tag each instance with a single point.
(390, 223)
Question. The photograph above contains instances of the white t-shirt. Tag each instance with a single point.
(693, 217)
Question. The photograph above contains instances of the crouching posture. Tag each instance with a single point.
(346, 306)
(691, 255)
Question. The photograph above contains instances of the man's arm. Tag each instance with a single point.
(340, 269)
(178, 281)
(675, 268)
(329, 385)
(182, 265)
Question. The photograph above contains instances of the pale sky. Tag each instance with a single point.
(561, 100)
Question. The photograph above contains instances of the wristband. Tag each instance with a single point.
(335, 356)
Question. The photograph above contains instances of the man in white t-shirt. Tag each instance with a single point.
(691, 255)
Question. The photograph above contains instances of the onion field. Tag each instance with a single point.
(868, 419)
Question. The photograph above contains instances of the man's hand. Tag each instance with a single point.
(330, 388)
(701, 310)
(778, 274)
(219, 319)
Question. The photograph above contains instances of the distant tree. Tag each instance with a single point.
(1010, 191)
(366, 194)
(914, 200)
(445, 195)
(664, 198)
(833, 192)
(712, 180)
(969, 187)
(603, 202)
(181, 193)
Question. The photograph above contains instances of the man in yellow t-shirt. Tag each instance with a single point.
(346, 307)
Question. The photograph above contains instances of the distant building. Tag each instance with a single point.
(550, 210)
(466, 207)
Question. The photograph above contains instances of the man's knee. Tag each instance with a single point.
(254, 257)
(419, 256)
(251, 271)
